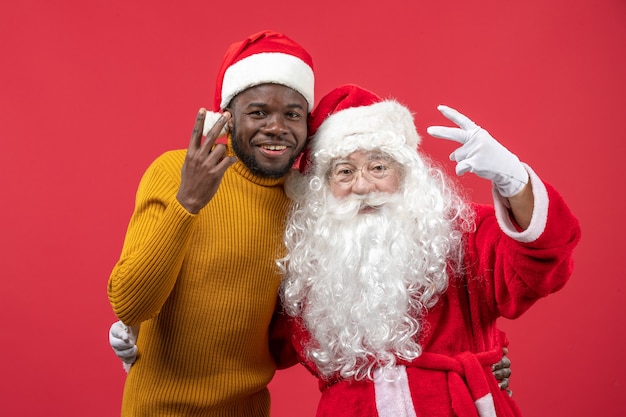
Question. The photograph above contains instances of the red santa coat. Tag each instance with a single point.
(507, 271)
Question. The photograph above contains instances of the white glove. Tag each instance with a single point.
(123, 340)
(481, 154)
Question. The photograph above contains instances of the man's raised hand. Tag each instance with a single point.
(204, 166)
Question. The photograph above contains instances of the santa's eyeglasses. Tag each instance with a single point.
(344, 173)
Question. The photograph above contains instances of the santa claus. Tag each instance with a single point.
(393, 280)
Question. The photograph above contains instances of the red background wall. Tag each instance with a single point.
(91, 92)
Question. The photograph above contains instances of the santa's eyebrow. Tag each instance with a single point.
(370, 156)
(379, 156)
(341, 162)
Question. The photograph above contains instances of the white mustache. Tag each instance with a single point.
(351, 205)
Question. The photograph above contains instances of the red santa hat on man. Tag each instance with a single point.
(266, 57)
(351, 118)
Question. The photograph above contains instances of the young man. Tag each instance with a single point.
(393, 282)
(197, 270)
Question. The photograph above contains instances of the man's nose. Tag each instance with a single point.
(275, 125)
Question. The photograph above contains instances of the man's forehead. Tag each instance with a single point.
(264, 94)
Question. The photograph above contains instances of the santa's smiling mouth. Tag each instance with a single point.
(365, 208)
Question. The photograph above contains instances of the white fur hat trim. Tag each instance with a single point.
(268, 67)
(387, 125)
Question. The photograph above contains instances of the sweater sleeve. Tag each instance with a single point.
(516, 268)
(155, 243)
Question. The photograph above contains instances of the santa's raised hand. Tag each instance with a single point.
(481, 154)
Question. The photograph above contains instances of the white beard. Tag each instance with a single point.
(362, 281)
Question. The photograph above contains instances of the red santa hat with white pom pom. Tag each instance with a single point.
(266, 57)
(351, 118)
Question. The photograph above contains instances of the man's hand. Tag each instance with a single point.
(204, 165)
(123, 340)
(481, 154)
(502, 372)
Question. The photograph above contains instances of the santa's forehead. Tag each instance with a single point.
(364, 155)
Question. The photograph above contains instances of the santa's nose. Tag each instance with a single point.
(361, 185)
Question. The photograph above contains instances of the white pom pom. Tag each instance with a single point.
(209, 120)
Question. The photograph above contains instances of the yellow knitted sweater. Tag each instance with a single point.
(204, 288)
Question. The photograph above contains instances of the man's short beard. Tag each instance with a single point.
(251, 163)
(361, 282)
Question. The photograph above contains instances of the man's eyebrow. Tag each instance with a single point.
(264, 104)
(256, 104)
